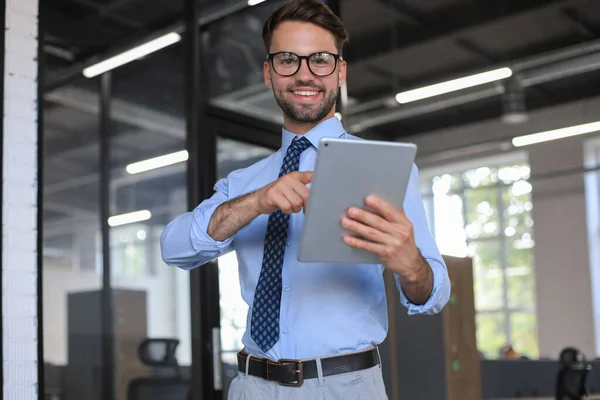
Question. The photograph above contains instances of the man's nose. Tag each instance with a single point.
(304, 71)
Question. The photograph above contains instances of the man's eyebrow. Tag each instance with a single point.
(314, 52)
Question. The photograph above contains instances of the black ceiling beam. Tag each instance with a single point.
(472, 48)
(99, 11)
(76, 33)
(407, 12)
(116, 5)
(451, 20)
(579, 23)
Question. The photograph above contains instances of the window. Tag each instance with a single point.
(483, 211)
(592, 194)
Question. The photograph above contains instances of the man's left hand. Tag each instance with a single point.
(389, 235)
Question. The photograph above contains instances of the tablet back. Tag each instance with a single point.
(346, 172)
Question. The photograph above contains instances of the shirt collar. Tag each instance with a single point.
(331, 127)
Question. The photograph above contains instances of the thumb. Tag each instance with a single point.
(305, 177)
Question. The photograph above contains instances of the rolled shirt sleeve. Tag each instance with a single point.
(415, 211)
(185, 242)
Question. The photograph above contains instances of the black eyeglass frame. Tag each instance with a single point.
(336, 57)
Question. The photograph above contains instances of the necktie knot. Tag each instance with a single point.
(292, 156)
(300, 143)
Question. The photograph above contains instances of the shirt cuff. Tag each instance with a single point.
(201, 241)
(439, 295)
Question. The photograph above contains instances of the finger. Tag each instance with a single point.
(296, 201)
(365, 231)
(298, 188)
(369, 219)
(283, 204)
(302, 190)
(387, 211)
(305, 177)
(361, 244)
(280, 200)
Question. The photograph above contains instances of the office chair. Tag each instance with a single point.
(572, 375)
(159, 354)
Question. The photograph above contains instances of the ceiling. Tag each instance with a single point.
(552, 46)
(395, 45)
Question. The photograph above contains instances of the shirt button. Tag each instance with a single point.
(284, 330)
(288, 243)
(286, 288)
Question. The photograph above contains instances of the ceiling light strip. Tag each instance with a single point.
(561, 133)
(129, 218)
(132, 54)
(157, 162)
(453, 85)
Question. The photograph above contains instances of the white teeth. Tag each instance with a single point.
(305, 93)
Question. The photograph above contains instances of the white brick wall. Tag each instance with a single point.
(19, 208)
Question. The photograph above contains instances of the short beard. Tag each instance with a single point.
(305, 114)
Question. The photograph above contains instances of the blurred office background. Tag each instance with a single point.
(527, 216)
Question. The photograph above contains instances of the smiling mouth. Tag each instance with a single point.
(306, 93)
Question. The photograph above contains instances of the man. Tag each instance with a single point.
(318, 324)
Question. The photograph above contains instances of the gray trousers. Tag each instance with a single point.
(366, 384)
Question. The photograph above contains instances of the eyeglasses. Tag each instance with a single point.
(286, 63)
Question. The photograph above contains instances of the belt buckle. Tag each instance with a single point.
(299, 371)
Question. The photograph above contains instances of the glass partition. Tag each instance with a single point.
(72, 266)
(235, 63)
(148, 188)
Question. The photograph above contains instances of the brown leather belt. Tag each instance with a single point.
(293, 372)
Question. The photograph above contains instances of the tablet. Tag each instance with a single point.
(346, 172)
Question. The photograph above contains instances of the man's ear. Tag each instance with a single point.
(342, 72)
(267, 74)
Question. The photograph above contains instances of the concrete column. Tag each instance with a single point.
(19, 202)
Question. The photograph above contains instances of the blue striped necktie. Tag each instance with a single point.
(264, 325)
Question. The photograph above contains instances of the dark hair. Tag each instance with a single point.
(313, 11)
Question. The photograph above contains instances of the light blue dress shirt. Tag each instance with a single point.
(326, 309)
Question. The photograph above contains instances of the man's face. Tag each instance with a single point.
(304, 97)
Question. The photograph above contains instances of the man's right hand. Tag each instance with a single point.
(288, 194)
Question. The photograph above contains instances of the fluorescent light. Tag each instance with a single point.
(453, 85)
(132, 54)
(129, 218)
(254, 2)
(556, 134)
(157, 162)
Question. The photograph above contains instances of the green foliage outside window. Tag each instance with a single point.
(495, 203)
